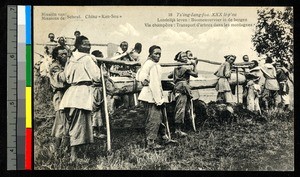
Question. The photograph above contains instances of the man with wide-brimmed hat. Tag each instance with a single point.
(182, 90)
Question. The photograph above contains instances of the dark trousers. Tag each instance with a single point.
(80, 126)
(270, 98)
(154, 121)
(182, 108)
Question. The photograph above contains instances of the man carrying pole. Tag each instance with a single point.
(77, 102)
(58, 85)
(183, 96)
(126, 100)
(97, 112)
(224, 74)
(270, 95)
(152, 98)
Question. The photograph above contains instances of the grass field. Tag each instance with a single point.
(243, 145)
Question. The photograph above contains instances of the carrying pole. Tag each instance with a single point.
(237, 85)
(105, 109)
(193, 115)
(166, 120)
(135, 95)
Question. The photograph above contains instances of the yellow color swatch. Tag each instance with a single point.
(28, 108)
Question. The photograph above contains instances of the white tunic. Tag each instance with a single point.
(152, 72)
(81, 68)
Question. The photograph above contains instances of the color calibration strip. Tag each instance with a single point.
(28, 134)
(24, 84)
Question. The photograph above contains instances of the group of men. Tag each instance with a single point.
(75, 78)
(128, 100)
(76, 81)
(153, 100)
(266, 86)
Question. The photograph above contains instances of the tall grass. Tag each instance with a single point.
(245, 145)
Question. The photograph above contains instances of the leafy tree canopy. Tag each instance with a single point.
(274, 34)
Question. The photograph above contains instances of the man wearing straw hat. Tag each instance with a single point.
(183, 93)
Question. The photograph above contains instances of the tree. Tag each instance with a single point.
(274, 33)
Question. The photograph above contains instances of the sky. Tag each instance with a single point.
(211, 42)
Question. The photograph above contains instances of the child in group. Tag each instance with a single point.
(253, 95)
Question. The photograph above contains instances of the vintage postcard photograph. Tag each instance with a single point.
(196, 88)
